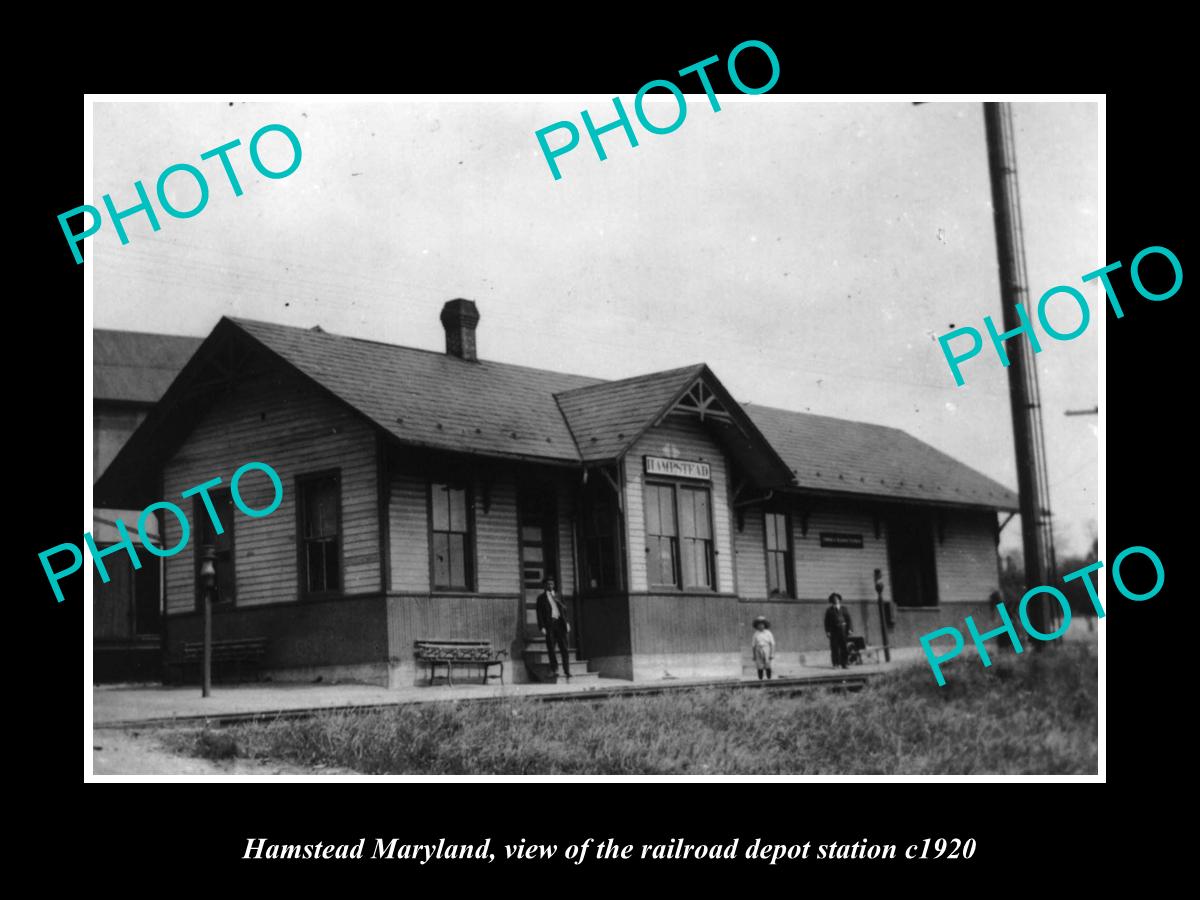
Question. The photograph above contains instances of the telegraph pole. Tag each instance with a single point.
(1036, 533)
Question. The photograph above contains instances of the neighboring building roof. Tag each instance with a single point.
(487, 408)
(829, 454)
(137, 367)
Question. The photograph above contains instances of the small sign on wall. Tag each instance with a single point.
(678, 468)
(836, 539)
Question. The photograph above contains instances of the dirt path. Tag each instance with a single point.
(119, 752)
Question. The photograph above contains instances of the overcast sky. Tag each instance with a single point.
(808, 252)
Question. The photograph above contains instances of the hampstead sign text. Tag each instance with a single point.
(678, 468)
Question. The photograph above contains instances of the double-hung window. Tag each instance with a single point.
(450, 537)
(679, 537)
(779, 554)
(695, 535)
(662, 538)
(320, 500)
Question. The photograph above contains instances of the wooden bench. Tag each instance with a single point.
(236, 650)
(459, 653)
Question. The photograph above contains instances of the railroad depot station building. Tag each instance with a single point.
(427, 495)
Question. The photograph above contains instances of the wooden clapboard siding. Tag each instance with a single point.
(603, 624)
(497, 554)
(800, 624)
(497, 535)
(408, 525)
(684, 623)
(966, 557)
(447, 616)
(750, 549)
(851, 572)
(341, 631)
(287, 424)
(679, 437)
(565, 492)
(635, 520)
(497, 551)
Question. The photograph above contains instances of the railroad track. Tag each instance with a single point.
(786, 686)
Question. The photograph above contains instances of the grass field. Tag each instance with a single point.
(1033, 714)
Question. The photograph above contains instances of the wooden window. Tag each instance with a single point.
(679, 536)
(222, 502)
(599, 554)
(450, 537)
(661, 536)
(695, 533)
(320, 501)
(778, 529)
(911, 557)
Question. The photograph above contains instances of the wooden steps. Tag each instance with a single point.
(537, 663)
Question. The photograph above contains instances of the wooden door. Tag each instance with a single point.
(539, 548)
(112, 601)
(910, 540)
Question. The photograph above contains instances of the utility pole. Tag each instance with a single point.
(1033, 489)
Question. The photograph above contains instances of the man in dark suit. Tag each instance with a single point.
(837, 629)
(552, 621)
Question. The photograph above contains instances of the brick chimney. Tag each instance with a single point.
(459, 318)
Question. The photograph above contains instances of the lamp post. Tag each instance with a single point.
(208, 581)
(887, 653)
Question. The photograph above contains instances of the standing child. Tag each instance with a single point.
(764, 646)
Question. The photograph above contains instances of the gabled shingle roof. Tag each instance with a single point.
(433, 399)
(497, 409)
(829, 454)
(606, 417)
(137, 367)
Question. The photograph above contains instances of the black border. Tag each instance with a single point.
(1028, 834)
